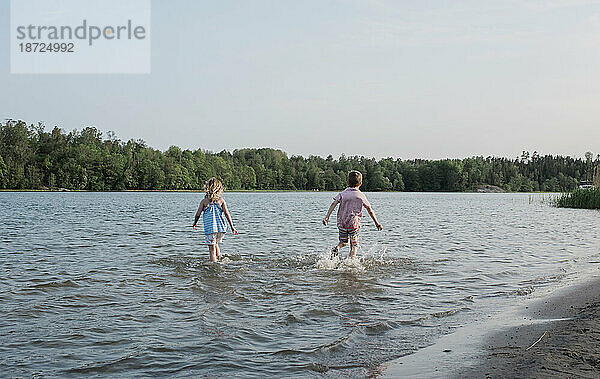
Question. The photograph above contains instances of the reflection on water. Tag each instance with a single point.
(119, 284)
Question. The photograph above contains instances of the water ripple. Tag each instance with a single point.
(118, 284)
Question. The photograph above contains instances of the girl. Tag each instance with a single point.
(214, 207)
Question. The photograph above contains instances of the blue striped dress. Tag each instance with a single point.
(213, 219)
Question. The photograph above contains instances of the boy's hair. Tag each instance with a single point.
(354, 178)
(213, 188)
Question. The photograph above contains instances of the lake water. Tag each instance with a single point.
(118, 284)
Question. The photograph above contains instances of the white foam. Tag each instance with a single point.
(225, 260)
(328, 261)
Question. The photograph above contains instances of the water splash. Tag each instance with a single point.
(374, 256)
(225, 260)
(327, 262)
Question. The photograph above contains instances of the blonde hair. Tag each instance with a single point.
(213, 188)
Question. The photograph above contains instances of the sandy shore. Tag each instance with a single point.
(558, 336)
(567, 347)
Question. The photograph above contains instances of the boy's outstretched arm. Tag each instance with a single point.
(372, 214)
(331, 208)
(228, 217)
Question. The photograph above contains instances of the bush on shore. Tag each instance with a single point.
(588, 198)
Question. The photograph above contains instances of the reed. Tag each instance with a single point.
(588, 198)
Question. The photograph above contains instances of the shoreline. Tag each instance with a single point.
(267, 191)
(142, 190)
(568, 345)
(557, 335)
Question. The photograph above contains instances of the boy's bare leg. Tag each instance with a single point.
(336, 250)
(212, 251)
(353, 251)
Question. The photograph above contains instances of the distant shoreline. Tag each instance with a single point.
(84, 159)
(260, 191)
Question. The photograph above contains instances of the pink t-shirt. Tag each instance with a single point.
(350, 211)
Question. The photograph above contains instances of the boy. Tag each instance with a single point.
(351, 201)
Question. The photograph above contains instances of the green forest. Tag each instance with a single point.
(33, 158)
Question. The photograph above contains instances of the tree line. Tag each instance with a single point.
(33, 158)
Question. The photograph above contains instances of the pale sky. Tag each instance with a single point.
(406, 79)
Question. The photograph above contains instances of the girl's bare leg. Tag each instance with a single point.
(218, 251)
(212, 251)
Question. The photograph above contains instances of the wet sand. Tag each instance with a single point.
(568, 347)
(554, 337)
